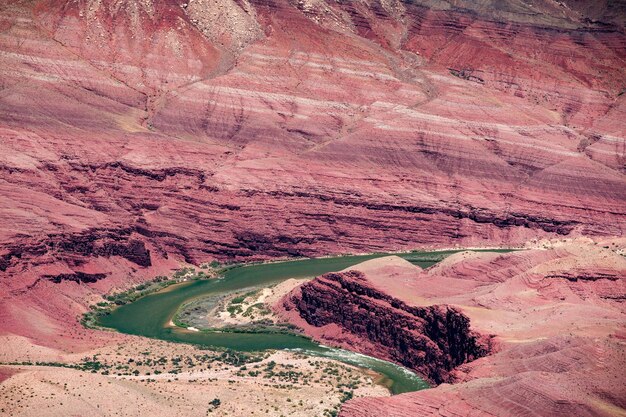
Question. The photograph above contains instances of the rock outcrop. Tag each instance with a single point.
(432, 340)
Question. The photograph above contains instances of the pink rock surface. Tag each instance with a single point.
(135, 136)
(556, 316)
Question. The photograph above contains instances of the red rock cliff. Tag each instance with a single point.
(430, 340)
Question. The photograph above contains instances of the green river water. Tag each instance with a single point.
(150, 316)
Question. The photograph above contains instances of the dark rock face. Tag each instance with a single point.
(133, 250)
(575, 276)
(74, 248)
(431, 340)
(75, 277)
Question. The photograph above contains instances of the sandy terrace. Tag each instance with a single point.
(248, 307)
(154, 377)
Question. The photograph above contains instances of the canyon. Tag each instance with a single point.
(138, 137)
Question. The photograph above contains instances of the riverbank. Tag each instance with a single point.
(89, 319)
(216, 270)
(153, 376)
(249, 310)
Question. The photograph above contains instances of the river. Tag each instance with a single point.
(150, 316)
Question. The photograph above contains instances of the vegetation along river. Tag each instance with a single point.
(151, 316)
